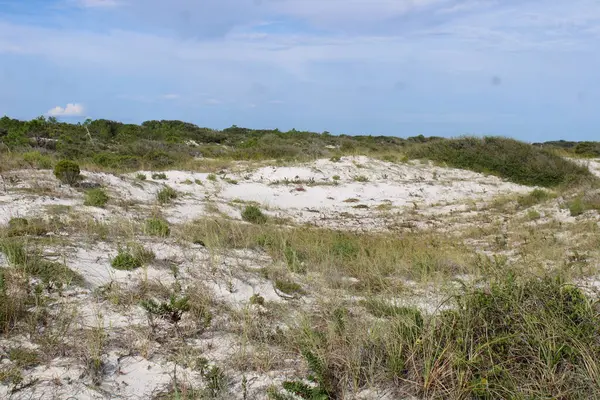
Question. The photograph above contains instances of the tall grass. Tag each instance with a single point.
(519, 338)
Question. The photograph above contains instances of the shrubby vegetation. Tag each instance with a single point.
(520, 338)
(516, 161)
(67, 172)
(169, 144)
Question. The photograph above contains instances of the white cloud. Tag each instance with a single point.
(71, 110)
(171, 96)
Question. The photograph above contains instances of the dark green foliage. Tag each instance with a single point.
(171, 310)
(67, 172)
(254, 215)
(159, 175)
(516, 161)
(96, 198)
(288, 287)
(157, 227)
(125, 261)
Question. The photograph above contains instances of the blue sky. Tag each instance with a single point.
(526, 69)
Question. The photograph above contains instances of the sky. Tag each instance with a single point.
(528, 69)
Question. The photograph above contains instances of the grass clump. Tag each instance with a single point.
(157, 227)
(23, 227)
(67, 172)
(288, 287)
(518, 338)
(516, 161)
(536, 196)
(254, 215)
(583, 203)
(32, 263)
(166, 195)
(159, 176)
(96, 198)
(125, 261)
(361, 178)
(141, 177)
(212, 177)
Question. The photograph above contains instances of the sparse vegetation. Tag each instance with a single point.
(361, 178)
(166, 195)
(140, 176)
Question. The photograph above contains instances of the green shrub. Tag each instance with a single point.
(335, 177)
(583, 203)
(171, 310)
(67, 172)
(533, 215)
(254, 215)
(516, 161)
(166, 195)
(140, 176)
(159, 176)
(125, 261)
(37, 159)
(361, 178)
(96, 198)
(212, 177)
(288, 287)
(157, 227)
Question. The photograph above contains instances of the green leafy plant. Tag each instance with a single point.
(96, 198)
(140, 176)
(157, 227)
(67, 172)
(254, 215)
(159, 176)
(171, 310)
(125, 261)
(212, 177)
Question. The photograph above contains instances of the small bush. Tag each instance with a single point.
(171, 310)
(336, 177)
(288, 287)
(159, 176)
(198, 182)
(38, 160)
(140, 176)
(67, 172)
(166, 195)
(125, 261)
(335, 159)
(157, 227)
(257, 299)
(96, 198)
(212, 177)
(361, 178)
(254, 215)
